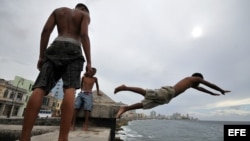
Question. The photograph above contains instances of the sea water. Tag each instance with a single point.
(175, 130)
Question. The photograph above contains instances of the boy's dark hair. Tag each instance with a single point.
(82, 5)
(197, 75)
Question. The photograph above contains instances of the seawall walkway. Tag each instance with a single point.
(50, 133)
(102, 124)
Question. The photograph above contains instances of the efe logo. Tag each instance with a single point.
(236, 132)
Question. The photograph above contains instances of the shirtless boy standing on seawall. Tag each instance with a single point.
(62, 59)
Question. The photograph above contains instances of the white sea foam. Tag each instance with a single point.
(161, 130)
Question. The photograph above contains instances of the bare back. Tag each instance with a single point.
(69, 22)
(185, 84)
(193, 82)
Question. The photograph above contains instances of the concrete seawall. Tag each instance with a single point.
(102, 124)
(50, 133)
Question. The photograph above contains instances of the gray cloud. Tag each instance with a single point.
(147, 44)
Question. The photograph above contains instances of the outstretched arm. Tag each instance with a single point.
(213, 86)
(205, 91)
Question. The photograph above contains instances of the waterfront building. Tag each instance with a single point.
(57, 91)
(14, 95)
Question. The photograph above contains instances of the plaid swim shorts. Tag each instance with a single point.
(158, 97)
(62, 60)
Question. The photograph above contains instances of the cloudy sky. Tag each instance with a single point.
(147, 43)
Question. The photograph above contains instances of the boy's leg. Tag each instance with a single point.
(74, 119)
(77, 106)
(31, 113)
(132, 89)
(86, 122)
(124, 109)
(67, 108)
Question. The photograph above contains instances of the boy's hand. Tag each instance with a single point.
(225, 91)
(39, 64)
(88, 68)
(98, 93)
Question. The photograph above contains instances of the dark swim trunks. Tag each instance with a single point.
(62, 60)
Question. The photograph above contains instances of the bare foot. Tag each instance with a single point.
(72, 128)
(24, 140)
(85, 129)
(120, 112)
(119, 88)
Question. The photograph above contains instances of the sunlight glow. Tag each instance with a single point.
(197, 32)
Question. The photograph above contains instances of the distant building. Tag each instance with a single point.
(25, 84)
(50, 103)
(152, 114)
(57, 91)
(14, 95)
(57, 108)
